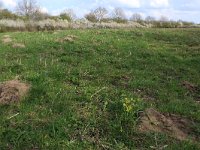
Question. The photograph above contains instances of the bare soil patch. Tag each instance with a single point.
(12, 91)
(189, 86)
(193, 90)
(170, 124)
(18, 45)
(121, 81)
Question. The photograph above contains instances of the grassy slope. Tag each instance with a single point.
(76, 100)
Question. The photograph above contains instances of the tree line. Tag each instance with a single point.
(30, 10)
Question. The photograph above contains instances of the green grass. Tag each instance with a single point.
(79, 88)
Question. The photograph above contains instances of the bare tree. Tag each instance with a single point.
(164, 19)
(119, 15)
(27, 8)
(100, 13)
(91, 17)
(40, 15)
(68, 14)
(150, 19)
(136, 17)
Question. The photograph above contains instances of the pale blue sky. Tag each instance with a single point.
(188, 10)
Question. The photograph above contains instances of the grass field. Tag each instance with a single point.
(80, 87)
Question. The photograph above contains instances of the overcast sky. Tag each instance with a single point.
(188, 10)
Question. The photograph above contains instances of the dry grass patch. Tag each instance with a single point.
(172, 125)
(18, 45)
(6, 36)
(12, 91)
(6, 40)
(69, 38)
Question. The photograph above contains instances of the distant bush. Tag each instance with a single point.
(20, 25)
(60, 24)
(111, 25)
(119, 20)
(171, 24)
(68, 15)
(30, 17)
(91, 17)
(51, 24)
(12, 25)
(6, 14)
(65, 17)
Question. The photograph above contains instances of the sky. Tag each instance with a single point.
(188, 10)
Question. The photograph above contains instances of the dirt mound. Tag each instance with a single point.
(6, 40)
(69, 38)
(18, 45)
(172, 125)
(12, 91)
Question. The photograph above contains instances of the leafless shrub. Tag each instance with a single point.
(150, 19)
(68, 15)
(136, 17)
(27, 8)
(119, 15)
(100, 13)
(164, 19)
(91, 17)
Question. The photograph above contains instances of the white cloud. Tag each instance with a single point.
(117, 3)
(9, 3)
(159, 3)
(44, 10)
(130, 3)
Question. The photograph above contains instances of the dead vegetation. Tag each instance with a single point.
(170, 124)
(8, 40)
(6, 36)
(13, 91)
(68, 38)
(18, 45)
